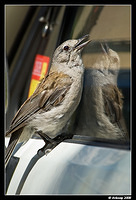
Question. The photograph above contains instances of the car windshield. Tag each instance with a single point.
(99, 114)
(110, 26)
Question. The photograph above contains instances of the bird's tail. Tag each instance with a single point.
(12, 144)
(9, 151)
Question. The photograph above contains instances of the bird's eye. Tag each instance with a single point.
(66, 48)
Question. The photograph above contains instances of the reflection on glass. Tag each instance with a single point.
(110, 24)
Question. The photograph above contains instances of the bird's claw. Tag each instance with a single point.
(49, 146)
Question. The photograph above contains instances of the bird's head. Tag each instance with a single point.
(112, 57)
(68, 53)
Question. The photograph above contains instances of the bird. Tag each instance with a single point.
(100, 115)
(47, 111)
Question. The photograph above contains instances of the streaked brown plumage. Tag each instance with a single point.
(52, 104)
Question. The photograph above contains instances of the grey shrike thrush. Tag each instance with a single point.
(55, 99)
(100, 114)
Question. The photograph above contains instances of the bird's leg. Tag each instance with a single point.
(50, 144)
(57, 140)
(45, 137)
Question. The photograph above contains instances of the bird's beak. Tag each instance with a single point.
(105, 47)
(79, 46)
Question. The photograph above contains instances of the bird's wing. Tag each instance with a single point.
(50, 93)
(113, 104)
